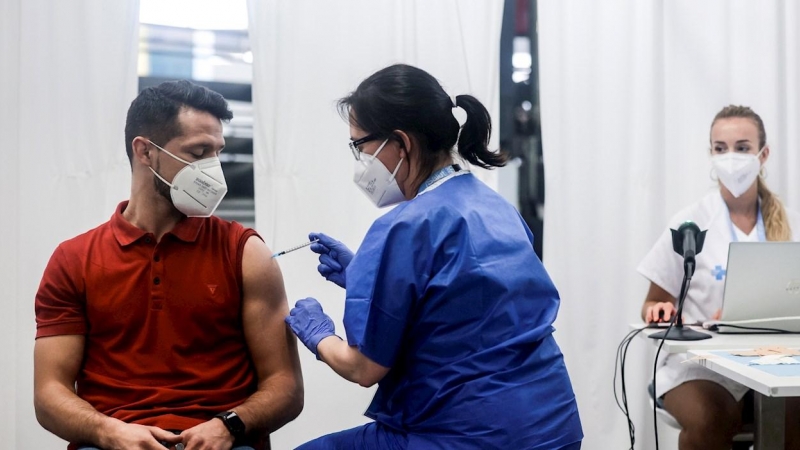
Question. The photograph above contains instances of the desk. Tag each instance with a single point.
(720, 341)
(771, 389)
(772, 384)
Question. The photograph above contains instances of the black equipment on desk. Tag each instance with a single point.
(687, 241)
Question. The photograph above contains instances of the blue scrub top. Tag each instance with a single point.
(447, 291)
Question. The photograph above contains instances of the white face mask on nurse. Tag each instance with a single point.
(373, 177)
(735, 155)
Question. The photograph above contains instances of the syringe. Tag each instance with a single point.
(289, 250)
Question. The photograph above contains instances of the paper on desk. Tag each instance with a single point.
(769, 360)
(699, 358)
(764, 351)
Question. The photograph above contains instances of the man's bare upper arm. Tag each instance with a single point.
(57, 359)
(272, 346)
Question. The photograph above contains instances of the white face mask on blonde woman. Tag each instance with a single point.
(734, 158)
(737, 171)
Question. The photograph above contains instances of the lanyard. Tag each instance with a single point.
(762, 235)
(439, 175)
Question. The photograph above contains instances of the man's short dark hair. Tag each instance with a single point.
(154, 112)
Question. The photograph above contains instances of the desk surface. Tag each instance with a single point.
(720, 341)
(772, 381)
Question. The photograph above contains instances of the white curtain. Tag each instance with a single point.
(67, 78)
(628, 92)
(308, 54)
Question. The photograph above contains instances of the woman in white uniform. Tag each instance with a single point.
(706, 405)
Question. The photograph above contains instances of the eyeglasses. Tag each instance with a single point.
(354, 145)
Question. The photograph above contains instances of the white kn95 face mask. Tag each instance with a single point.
(737, 171)
(198, 188)
(376, 181)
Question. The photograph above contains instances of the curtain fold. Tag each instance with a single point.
(628, 93)
(308, 54)
(67, 79)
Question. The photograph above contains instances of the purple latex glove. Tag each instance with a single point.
(310, 323)
(334, 257)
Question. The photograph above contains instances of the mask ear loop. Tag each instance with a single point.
(377, 152)
(170, 154)
(396, 169)
(375, 156)
(762, 171)
(162, 178)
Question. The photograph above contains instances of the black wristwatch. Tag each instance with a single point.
(233, 423)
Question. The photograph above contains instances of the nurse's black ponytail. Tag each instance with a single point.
(473, 143)
(403, 97)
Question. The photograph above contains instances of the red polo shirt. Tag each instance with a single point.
(163, 326)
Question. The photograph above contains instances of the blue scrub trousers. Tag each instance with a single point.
(372, 436)
(366, 437)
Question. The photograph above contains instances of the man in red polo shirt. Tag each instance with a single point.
(164, 326)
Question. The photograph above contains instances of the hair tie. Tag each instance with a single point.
(453, 99)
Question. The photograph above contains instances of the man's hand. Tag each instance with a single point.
(126, 436)
(211, 435)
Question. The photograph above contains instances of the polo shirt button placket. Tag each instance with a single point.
(156, 273)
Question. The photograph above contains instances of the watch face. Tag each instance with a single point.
(234, 423)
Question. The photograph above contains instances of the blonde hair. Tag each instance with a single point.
(776, 222)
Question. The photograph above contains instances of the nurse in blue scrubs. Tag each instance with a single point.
(448, 309)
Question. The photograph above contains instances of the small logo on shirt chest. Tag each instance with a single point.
(212, 288)
(718, 272)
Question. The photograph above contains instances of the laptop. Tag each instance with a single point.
(762, 289)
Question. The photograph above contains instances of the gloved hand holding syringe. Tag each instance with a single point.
(289, 250)
(334, 256)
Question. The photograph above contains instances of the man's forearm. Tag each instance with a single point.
(278, 401)
(69, 417)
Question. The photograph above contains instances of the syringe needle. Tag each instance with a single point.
(289, 250)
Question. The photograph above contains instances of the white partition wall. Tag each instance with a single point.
(629, 89)
(308, 54)
(9, 224)
(67, 77)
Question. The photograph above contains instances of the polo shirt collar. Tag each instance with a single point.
(188, 228)
(126, 233)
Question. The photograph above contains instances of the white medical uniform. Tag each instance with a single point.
(664, 267)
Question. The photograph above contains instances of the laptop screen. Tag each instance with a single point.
(762, 281)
